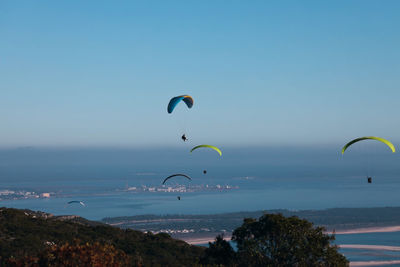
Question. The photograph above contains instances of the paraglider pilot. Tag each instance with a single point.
(184, 138)
(369, 179)
(179, 198)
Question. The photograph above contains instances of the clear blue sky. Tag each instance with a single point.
(100, 73)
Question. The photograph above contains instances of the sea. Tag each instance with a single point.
(376, 253)
(258, 178)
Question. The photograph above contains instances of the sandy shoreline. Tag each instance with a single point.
(373, 263)
(385, 229)
(370, 247)
(204, 240)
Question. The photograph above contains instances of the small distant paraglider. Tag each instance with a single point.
(212, 147)
(205, 172)
(76, 202)
(174, 175)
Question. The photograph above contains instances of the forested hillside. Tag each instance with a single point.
(24, 233)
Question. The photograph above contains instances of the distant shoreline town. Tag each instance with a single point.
(180, 188)
(13, 194)
(7, 194)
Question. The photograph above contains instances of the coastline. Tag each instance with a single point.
(370, 247)
(203, 240)
(366, 230)
(373, 263)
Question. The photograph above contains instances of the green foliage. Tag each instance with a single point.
(275, 240)
(25, 234)
(75, 255)
(219, 253)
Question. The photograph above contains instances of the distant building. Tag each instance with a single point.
(45, 195)
(6, 192)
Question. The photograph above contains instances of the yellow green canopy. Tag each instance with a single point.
(212, 147)
(390, 145)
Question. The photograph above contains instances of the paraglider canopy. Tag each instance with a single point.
(212, 147)
(178, 174)
(386, 142)
(175, 100)
(77, 202)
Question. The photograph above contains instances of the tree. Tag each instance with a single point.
(220, 252)
(275, 240)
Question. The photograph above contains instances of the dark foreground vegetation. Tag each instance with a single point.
(275, 240)
(30, 238)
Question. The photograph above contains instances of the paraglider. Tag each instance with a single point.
(212, 147)
(188, 100)
(175, 101)
(77, 202)
(174, 175)
(386, 142)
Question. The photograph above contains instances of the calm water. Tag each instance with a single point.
(383, 239)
